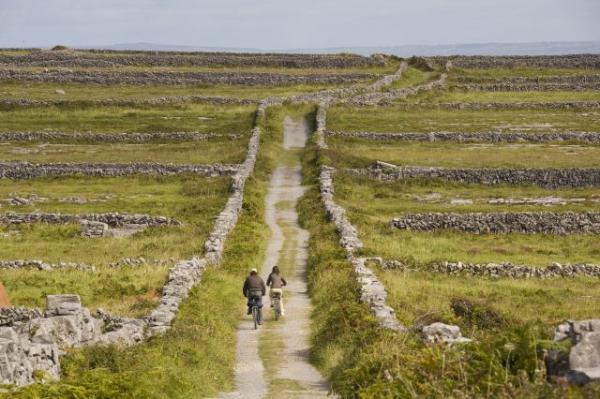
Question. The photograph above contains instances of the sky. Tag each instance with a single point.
(295, 24)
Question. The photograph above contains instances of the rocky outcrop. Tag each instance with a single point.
(111, 219)
(502, 222)
(586, 61)
(134, 138)
(475, 137)
(440, 333)
(26, 170)
(546, 178)
(95, 58)
(500, 270)
(583, 364)
(182, 78)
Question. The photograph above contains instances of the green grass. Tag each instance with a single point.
(355, 152)
(196, 357)
(128, 291)
(450, 96)
(194, 201)
(221, 150)
(419, 297)
(184, 118)
(371, 205)
(13, 90)
(498, 73)
(413, 77)
(365, 361)
(390, 119)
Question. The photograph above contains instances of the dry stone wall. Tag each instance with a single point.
(482, 106)
(26, 170)
(182, 78)
(546, 178)
(542, 86)
(134, 138)
(475, 137)
(121, 102)
(588, 61)
(91, 58)
(111, 219)
(560, 79)
(500, 270)
(503, 222)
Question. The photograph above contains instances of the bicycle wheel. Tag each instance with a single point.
(276, 308)
(255, 316)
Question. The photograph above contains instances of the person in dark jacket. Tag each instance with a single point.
(276, 282)
(254, 289)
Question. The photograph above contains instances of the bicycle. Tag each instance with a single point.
(276, 302)
(256, 313)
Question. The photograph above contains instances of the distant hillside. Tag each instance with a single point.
(540, 48)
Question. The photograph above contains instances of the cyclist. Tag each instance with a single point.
(276, 282)
(254, 289)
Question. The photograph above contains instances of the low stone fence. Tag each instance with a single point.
(182, 78)
(111, 219)
(562, 79)
(529, 86)
(494, 105)
(502, 222)
(26, 170)
(93, 58)
(121, 102)
(545, 178)
(134, 138)
(590, 61)
(500, 270)
(387, 97)
(39, 265)
(475, 137)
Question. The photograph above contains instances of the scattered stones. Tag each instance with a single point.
(545, 178)
(60, 91)
(17, 200)
(502, 222)
(40, 265)
(26, 170)
(478, 137)
(460, 201)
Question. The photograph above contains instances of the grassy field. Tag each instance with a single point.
(184, 118)
(219, 150)
(363, 360)
(450, 96)
(413, 77)
(360, 153)
(391, 119)
(421, 298)
(531, 72)
(194, 201)
(11, 90)
(371, 205)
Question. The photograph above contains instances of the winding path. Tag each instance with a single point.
(283, 344)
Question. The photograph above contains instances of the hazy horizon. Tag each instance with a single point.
(282, 25)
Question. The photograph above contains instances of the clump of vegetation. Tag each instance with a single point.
(59, 47)
(420, 63)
